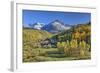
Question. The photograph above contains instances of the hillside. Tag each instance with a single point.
(72, 44)
(35, 35)
(79, 32)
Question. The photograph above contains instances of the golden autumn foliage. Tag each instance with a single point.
(74, 43)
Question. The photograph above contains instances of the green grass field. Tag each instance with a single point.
(51, 54)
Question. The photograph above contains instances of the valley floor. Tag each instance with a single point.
(52, 54)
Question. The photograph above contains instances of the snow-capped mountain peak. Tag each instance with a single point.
(56, 26)
(38, 25)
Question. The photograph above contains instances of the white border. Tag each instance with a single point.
(17, 37)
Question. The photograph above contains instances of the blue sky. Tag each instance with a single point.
(33, 16)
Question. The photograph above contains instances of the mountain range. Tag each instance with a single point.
(56, 26)
(53, 27)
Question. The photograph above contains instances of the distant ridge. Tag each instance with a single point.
(53, 27)
(56, 26)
